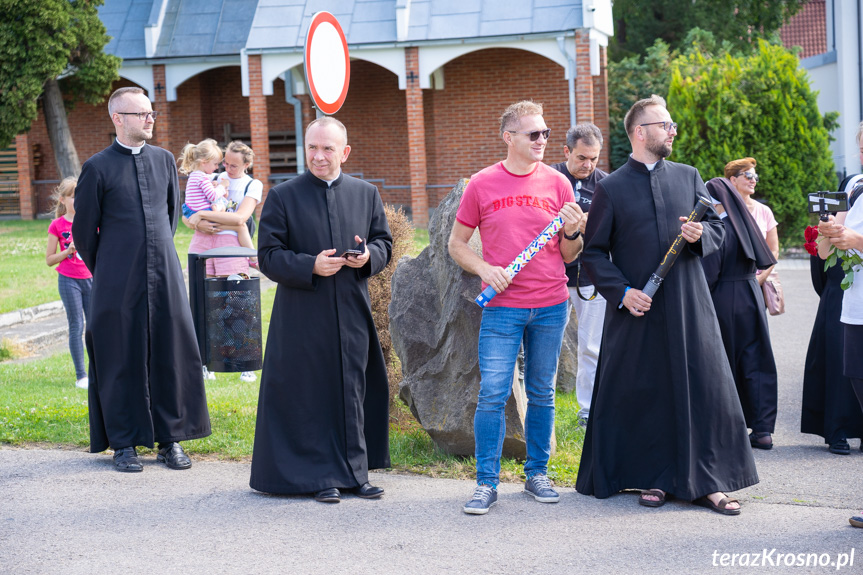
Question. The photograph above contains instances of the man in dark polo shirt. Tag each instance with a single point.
(583, 144)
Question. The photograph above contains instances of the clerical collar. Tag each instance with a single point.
(135, 149)
(648, 167)
(329, 183)
(325, 183)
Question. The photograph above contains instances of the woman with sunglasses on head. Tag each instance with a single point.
(741, 173)
(735, 274)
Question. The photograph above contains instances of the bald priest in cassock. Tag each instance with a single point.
(323, 409)
(146, 383)
(665, 417)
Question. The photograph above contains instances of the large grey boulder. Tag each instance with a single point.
(434, 325)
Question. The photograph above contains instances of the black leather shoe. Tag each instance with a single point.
(761, 440)
(840, 447)
(330, 495)
(369, 491)
(173, 456)
(126, 460)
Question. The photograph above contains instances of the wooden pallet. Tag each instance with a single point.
(283, 147)
(10, 204)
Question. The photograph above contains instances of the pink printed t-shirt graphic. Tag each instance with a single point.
(510, 211)
(73, 266)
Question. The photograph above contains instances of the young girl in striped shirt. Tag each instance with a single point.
(199, 161)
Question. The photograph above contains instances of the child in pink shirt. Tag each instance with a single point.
(74, 280)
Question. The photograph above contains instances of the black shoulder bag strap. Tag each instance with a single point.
(855, 193)
(578, 288)
(250, 223)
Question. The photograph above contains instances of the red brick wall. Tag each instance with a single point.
(600, 109)
(416, 140)
(259, 124)
(92, 131)
(375, 114)
(463, 120)
(583, 80)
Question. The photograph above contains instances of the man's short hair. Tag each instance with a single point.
(636, 112)
(512, 115)
(737, 167)
(587, 133)
(328, 121)
(118, 94)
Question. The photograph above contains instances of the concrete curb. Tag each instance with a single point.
(29, 314)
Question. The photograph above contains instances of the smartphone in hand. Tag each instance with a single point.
(356, 252)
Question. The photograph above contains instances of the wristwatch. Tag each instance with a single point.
(573, 237)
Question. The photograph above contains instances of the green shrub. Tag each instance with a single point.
(759, 105)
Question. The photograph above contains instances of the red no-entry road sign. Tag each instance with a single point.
(328, 67)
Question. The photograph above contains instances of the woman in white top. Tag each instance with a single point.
(845, 232)
(221, 227)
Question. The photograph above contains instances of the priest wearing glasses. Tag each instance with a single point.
(146, 386)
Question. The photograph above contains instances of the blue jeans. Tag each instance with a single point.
(75, 295)
(501, 333)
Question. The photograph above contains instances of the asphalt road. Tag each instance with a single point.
(69, 512)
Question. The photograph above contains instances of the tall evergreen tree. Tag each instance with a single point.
(49, 49)
(639, 23)
(760, 105)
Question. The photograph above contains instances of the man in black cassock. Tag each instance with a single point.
(323, 410)
(665, 415)
(146, 384)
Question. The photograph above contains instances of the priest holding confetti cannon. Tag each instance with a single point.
(665, 417)
(525, 297)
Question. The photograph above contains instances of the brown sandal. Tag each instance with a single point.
(721, 507)
(663, 497)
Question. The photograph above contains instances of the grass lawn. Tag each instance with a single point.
(25, 278)
(39, 403)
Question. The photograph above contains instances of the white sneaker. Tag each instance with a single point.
(248, 376)
(208, 374)
(83, 383)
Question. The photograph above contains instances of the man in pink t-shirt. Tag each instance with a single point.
(511, 202)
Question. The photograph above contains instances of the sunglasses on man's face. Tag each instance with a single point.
(534, 136)
(749, 176)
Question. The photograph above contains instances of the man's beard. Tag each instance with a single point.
(659, 148)
(140, 135)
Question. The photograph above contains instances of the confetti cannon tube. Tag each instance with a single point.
(523, 258)
(656, 278)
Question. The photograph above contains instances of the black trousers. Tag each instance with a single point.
(854, 358)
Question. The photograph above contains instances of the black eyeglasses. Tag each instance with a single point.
(749, 176)
(534, 136)
(667, 126)
(141, 115)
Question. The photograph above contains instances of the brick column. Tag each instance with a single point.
(583, 79)
(27, 201)
(600, 109)
(260, 126)
(162, 129)
(416, 140)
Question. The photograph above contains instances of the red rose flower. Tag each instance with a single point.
(811, 234)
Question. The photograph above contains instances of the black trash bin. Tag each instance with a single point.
(227, 315)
